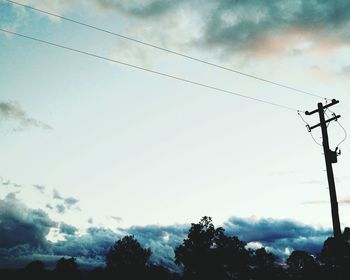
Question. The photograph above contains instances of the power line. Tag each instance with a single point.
(149, 70)
(340, 125)
(308, 128)
(167, 50)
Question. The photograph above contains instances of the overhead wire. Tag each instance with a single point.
(149, 70)
(166, 50)
(341, 126)
(308, 127)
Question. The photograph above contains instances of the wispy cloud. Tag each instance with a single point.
(61, 209)
(40, 188)
(116, 218)
(13, 111)
(8, 183)
(56, 195)
(66, 202)
(346, 70)
(340, 201)
(70, 201)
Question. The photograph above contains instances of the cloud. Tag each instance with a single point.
(344, 201)
(5, 182)
(346, 70)
(70, 201)
(24, 233)
(116, 218)
(260, 27)
(21, 226)
(67, 229)
(56, 195)
(60, 208)
(8, 183)
(278, 234)
(40, 188)
(66, 202)
(340, 201)
(12, 111)
(49, 206)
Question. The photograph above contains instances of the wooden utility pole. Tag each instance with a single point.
(330, 158)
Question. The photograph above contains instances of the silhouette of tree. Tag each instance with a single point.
(197, 254)
(232, 257)
(335, 256)
(35, 270)
(346, 234)
(35, 267)
(264, 265)
(67, 268)
(127, 258)
(207, 253)
(301, 265)
(156, 272)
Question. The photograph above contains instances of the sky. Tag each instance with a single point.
(91, 150)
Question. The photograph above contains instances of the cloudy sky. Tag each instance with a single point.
(92, 150)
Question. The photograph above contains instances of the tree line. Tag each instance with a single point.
(206, 254)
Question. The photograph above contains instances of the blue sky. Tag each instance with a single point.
(95, 144)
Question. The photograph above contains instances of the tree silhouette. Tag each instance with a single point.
(67, 268)
(35, 267)
(35, 270)
(232, 257)
(207, 253)
(264, 265)
(127, 258)
(302, 265)
(196, 255)
(335, 256)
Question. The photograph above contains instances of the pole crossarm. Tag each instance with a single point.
(319, 124)
(334, 101)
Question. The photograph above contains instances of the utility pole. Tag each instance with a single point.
(330, 158)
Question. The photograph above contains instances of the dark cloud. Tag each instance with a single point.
(162, 240)
(278, 234)
(145, 9)
(21, 226)
(263, 27)
(23, 237)
(12, 111)
(67, 229)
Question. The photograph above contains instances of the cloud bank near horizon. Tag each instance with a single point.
(24, 233)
